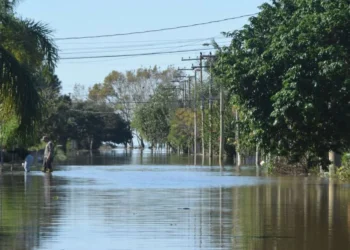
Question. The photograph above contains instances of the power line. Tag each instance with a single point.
(144, 41)
(154, 30)
(137, 49)
(138, 45)
(111, 61)
(131, 55)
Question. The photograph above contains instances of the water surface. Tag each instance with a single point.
(125, 201)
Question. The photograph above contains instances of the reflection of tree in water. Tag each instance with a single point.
(294, 214)
(349, 219)
(27, 210)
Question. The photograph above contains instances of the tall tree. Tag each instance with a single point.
(152, 119)
(27, 57)
(128, 91)
(288, 70)
(96, 123)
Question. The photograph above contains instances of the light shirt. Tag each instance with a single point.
(48, 150)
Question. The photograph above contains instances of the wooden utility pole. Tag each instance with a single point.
(194, 111)
(200, 68)
(210, 117)
(189, 91)
(222, 138)
(202, 106)
(201, 87)
(195, 117)
(210, 57)
(221, 146)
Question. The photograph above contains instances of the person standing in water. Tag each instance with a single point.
(48, 154)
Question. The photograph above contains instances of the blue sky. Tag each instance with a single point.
(83, 18)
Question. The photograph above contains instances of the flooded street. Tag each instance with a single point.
(124, 202)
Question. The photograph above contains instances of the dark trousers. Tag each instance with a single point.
(47, 163)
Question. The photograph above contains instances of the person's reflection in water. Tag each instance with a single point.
(47, 188)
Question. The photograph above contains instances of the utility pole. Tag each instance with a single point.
(222, 138)
(200, 68)
(210, 57)
(189, 91)
(202, 104)
(194, 111)
(221, 146)
(210, 115)
(195, 116)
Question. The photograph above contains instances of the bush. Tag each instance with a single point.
(281, 165)
(346, 160)
(59, 155)
(344, 171)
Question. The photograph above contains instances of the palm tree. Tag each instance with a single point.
(27, 55)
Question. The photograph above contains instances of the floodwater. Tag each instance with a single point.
(125, 201)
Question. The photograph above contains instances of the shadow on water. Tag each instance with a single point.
(164, 202)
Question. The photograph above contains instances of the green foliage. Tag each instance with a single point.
(228, 117)
(344, 171)
(58, 123)
(181, 128)
(127, 93)
(26, 52)
(60, 155)
(152, 119)
(95, 123)
(288, 70)
(87, 122)
(346, 160)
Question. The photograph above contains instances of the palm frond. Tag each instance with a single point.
(32, 40)
(7, 6)
(42, 34)
(215, 45)
(18, 93)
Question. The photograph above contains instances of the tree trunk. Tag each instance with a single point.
(331, 158)
(257, 163)
(142, 143)
(91, 143)
(238, 153)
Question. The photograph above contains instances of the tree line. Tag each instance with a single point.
(285, 76)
